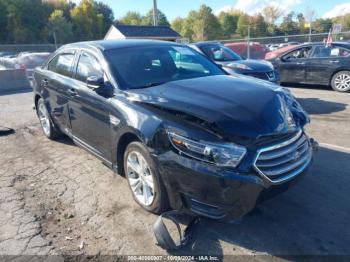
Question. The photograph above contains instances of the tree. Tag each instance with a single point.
(242, 25)
(302, 29)
(322, 25)
(87, 22)
(131, 18)
(187, 27)
(3, 22)
(26, 21)
(108, 16)
(288, 25)
(60, 27)
(258, 26)
(271, 15)
(205, 24)
(177, 24)
(228, 22)
(344, 20)
(161, 18)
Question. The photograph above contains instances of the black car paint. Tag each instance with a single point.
(216, 108)
(258, 68)
(315, 71)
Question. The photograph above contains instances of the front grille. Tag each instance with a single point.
(263, 75)
(285, 160)
(271, 75)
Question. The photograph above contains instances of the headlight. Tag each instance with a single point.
(239, 66)
(225, 154)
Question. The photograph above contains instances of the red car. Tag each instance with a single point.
(257, 51)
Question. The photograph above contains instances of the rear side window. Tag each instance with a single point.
(62, 64)
(334, 51)
(88, 66)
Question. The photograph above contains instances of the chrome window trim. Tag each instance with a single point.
(283, 144)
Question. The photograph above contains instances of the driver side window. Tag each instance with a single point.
(88, 66)
(300, 53)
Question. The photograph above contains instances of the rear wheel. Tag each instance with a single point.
(48, 128)
(144, 180)
(341, 81)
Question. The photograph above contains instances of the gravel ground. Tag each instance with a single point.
(55, 198)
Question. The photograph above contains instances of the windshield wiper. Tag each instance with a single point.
(149, 85)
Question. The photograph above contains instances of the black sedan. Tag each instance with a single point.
(183, 133)
(316, 64)
(232, 63)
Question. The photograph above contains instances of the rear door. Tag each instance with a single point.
(56, 81)
(324, 61)
(292, 65)
(89, 111)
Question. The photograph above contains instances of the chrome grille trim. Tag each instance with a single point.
(271, 75)
(281, 162)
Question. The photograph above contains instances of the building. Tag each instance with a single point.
(144, 32)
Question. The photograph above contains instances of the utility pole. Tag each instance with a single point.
(309, 15)
(248, 46)
(155, 13)
(310, 32)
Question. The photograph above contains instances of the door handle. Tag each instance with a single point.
(300, 63)
(334, 61)
(72, 92)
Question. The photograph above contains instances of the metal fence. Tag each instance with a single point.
(343, 36)
(28, 48)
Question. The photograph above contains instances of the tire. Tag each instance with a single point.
(156, 201)
(49, 130)
(341, 81)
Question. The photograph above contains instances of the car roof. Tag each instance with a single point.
(104, 45)
(199, 44)
(322, 43)
(282, 51)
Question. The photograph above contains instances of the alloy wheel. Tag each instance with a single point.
(342, 82)
(44, 119)
(140, 178)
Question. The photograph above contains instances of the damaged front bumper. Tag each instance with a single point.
(206, 190)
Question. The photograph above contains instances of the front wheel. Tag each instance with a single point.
(341, 81)
(144, 180)
(48, 128)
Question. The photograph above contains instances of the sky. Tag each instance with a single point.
(175, 8)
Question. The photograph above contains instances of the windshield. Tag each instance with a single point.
(220, 53)
(153, 65)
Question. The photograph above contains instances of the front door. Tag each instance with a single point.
(89, 111)
(292, 65)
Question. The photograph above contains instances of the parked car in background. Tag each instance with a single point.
(24, 60)
(257, 50)
(7, 54)
(316, 63)
(183, 133)
(232, 63)
(272, 55)
(28, 61)
(272, 47)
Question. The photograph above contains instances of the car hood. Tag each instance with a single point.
(236, 105)
(256, 65)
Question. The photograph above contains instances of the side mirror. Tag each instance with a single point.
(95, 82)
(98, 84)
